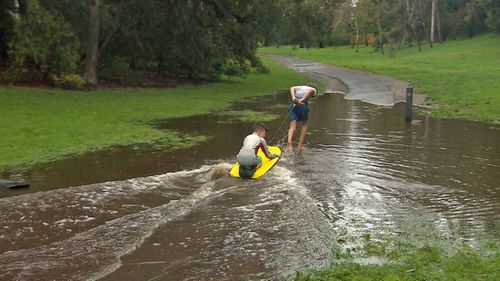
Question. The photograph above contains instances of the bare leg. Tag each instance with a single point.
(291, 131)
(303, 132)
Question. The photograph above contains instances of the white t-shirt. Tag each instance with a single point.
(300, 91)
(251, 145)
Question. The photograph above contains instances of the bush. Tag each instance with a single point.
(119, 69)
(261, 68)
(233, 67)
(339, 39)
(42, 45)
(68, 81)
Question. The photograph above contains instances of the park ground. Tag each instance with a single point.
(459, 77)
(45, 124)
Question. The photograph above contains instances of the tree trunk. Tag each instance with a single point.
(429, 38)
(357, 32)
(410, 9)
(379, 24)
(403, 39)
(409, 28)
(438, 23)
(91, 58)
(356, 29)
(415, 36)
(433, 21)
(380, 40)
(22, 7)
(160, 64)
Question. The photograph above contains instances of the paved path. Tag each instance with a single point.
(355, 84)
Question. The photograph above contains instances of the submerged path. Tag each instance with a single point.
(355, 84)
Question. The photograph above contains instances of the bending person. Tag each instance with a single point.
(299, 112)
(247, 156)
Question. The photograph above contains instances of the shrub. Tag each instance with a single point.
(234, 67)
(68, 81)
(42, 45)
(119, 69)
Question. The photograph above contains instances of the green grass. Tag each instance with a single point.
(419, 263)
(418, 251)
(41, 125)
(461, 77)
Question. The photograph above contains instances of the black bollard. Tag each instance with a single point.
(409, 102)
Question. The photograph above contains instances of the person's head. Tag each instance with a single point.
(260, 129)
(312, 85)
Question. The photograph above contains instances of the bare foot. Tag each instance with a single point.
(299, 149)
(289, 149)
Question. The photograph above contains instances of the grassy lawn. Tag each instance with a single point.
(414, 263)
(427, 263)
(40, 125)
(419, 252)
(461, 77)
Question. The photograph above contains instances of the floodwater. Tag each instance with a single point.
(150, 214)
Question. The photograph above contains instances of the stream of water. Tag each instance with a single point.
(151, 214)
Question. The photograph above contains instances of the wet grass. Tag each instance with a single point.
(417, 251)
(460, 77)
(425, 262)
(41, 125)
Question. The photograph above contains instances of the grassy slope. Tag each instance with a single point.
(39, 125)
(461, 77)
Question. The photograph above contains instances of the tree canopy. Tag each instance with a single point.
(120, 40)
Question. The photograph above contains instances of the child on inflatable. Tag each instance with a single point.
(247, 156)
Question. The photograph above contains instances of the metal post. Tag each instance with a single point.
(409, 102)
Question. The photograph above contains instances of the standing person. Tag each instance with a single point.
(247, 156)
(299, 112)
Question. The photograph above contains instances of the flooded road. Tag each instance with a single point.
(179, 216)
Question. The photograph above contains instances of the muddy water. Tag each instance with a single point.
(363, 171)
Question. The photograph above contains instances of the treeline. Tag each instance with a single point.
(401, 23)
(73, 42)
(63, 41)
(379, 22)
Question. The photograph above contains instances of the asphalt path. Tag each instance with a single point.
(354, 84)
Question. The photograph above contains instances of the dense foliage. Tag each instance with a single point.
(43, 49)
(204, 39)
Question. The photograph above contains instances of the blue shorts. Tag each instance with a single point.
(248, 160)
(298, 113)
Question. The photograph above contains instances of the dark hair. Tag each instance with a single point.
(260, 126)
(312, 85)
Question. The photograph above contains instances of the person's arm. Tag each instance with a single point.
(292, 94)
(265, 149)
(306, 96)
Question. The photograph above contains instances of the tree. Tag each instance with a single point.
(7, 9)
(378, 8)
(91, 58)
(492, 10)
(42, 45)
(435, 22)
(365, 18)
